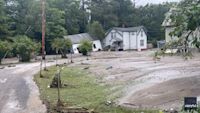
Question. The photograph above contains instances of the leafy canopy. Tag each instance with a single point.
(186, 20)
(96, 30)
(61, 45)
(24, 46)
(5, 47)
(85, 47)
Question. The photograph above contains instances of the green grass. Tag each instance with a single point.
(82, 91)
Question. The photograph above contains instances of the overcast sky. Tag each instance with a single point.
(144, 2)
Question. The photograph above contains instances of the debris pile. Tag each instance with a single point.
(55, 81)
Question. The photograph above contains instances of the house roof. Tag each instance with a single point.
(129, 29)
(78, 37)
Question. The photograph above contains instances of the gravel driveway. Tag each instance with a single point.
(18, 91)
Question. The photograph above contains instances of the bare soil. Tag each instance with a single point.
(135, 80)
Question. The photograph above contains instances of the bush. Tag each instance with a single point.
(5, 47)
(62, 45)
(85, 47)
(24, 46)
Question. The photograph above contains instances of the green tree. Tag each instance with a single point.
(76, 18)
(186, 21)
(3, 21)
(152, 16)
(5, 47)
(23, 15)
(96, 30)
(124, 10)
(55, 23)
(85, 47)
(24, 46)
(61, 45)
(103, 11)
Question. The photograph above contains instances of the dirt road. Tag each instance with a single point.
(137, 81)
(18, 92)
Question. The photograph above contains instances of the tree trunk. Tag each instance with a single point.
(186, 49)
(64, 54)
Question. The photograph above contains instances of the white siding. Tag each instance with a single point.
(97, 44)
(169, 38)
(142, 36)
(131, 40)
(134, 41)
(108, 40)
(75, 46)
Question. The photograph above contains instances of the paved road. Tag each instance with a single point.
(18, 91)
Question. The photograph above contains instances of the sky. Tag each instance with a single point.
(144, 2)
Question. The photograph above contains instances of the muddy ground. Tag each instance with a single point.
(137, 81)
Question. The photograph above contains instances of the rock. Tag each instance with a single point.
(110, 67)
(108, 103)
(85, 63)
(2, 67)
(11, 65)
(86, 68)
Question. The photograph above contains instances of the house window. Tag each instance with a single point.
(141, 42)
(112, 36)
(94, 46)
(141, 34)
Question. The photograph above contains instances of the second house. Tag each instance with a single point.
(132, 38)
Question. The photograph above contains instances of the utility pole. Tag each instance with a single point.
(43, 3)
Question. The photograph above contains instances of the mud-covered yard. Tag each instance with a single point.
(137, 81)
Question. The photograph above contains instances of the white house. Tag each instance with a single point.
(132, 38)
(169, 27)
(77, 38)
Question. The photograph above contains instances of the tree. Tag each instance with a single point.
(103, 11)
(5, 47)
(67, 45)
(186, 21)
(55, 23)
(61, 45)
(96, 30)
(85, 47)
(24, 46)
(124, 10)
(23, 15)
(152, 16)
(3, 21)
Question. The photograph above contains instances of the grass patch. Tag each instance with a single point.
(82, 91)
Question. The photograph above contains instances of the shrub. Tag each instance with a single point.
(62, 45)
(85, 47)
(24, 46)
(5, 47)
